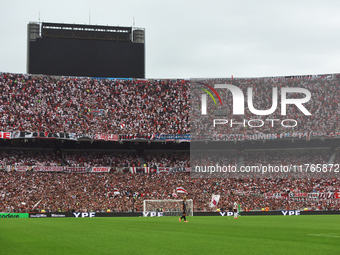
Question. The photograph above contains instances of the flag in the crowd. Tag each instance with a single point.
(36, 204)
(116, 191)
(309, 134)
(214, 200)
(181, 190)
(174, 194)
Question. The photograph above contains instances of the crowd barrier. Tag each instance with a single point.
(267, 213)
(157, 214)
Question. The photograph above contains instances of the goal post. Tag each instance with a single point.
(168, 207)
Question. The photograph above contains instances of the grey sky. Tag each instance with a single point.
(187, 38)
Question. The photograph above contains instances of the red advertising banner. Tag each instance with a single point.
(5, 135)
(101, 169)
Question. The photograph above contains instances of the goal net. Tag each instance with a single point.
(168, 207)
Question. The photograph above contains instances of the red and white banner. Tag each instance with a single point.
(5, 135)
(74, 169)
(180, 169)
(153, 170)
(150, 170)
(106, 137)
(174, 194)
(214, 200)
(328, 195)
(21, 168)
(43, 135)
(163, 169)
(101, 169)
(116, 191)
(308, 135)
(140, 170)
(60, 169)
(313, 195)
(300, 195)
(275, 195)
(181, 190)
(49, 169)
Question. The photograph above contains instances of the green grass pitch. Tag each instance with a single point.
(166, 235)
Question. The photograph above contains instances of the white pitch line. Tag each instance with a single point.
(325, 235)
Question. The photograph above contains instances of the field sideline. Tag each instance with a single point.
(165, 235)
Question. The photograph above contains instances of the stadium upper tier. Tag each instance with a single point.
(88, 106)
(98, 106)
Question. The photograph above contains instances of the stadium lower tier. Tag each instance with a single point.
(125, 192)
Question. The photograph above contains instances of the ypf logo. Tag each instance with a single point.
(238, 99)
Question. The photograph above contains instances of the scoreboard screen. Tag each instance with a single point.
(82, 50)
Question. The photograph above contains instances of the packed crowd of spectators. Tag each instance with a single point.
(100, 159)
(91, 106)
(280, 157)
(21, 191)
(29, 158)
(175, 159)
(323, 106)
(336, 156)
(85, 159)
(31, 191)
(208, 158)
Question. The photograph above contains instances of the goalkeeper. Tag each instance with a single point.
(184, 207)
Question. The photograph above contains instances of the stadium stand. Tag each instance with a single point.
(87, 106)
(137, 110)
(95, 191)
(324, 104)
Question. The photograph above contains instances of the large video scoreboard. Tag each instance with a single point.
(85, 50)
